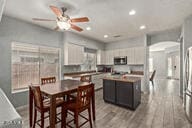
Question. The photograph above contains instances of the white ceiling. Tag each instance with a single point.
(107, 16)
(161, 46)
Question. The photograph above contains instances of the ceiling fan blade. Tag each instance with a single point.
(56, 10)
(57, 28)
(76, 28)
(39, 19)
(82, 19)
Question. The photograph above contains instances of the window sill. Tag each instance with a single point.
(19, 91)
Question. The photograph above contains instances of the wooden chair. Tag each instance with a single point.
(152, 76)
(48, 80)
(86, 78)
(43, 106)
(82, 103)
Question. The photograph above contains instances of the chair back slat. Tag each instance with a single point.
(86, 78)
(48, 80)
(84, 95)
(153, 75)
(38, 100)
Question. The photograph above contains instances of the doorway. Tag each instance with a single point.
(173, 66)
(164, 58)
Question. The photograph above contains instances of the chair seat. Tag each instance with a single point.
(46, 103)
(73, 106)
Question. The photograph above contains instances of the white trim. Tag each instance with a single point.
(2, 8)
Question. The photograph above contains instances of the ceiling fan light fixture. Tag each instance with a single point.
(88, 28)
(64, 25)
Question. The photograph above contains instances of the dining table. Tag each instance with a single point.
(55, 90)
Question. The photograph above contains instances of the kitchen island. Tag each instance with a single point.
(122, 91)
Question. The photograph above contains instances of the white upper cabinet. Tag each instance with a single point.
(116, 52)
(73, 54)
(122, 52)
(135, 55)
(130, 53)
(101, 57)
(109, 57)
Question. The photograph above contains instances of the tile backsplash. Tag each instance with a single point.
(127, 68)
(71, 68)
(121, 68)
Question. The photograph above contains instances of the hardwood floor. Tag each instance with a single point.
(162, 108)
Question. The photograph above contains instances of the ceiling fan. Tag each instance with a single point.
(63, 21)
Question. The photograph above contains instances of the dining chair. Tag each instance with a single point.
(82, 103)
(43, 106)
(48, 80)
(152, 77)
(86, 78)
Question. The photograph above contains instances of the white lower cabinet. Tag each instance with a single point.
(98, 81)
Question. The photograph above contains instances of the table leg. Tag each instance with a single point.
(30, 108)
(93, 104)
(52, 112)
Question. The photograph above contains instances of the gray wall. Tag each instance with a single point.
(187, 42)
(70, 37)
(16, 30)
(132, 42)
(159, 63)
(167, 35)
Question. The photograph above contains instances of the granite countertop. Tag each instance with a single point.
(129, 79)
(76, 75)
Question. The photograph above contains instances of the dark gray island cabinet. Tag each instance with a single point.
(124, 92)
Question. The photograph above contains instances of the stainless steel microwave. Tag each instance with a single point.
(122, 60)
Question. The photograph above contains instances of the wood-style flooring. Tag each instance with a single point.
(162, 108)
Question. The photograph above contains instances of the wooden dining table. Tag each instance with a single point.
(55, 90)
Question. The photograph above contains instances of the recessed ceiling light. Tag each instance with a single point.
(132, 12)
(106, 36)
(142, 27)
(88, 28)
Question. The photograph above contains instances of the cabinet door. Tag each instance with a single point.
(103, 57)
(108, 55)
(109, 91)
(130, 56)
(100, 57)
(71, 54)
(137, 94)
(74, 54)
(124, 94)
(116, 53)
(122, 52)
(79, 54)
(139, 55)
(111, 57)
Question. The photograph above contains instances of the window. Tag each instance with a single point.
(150, 64)
(32, 62)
